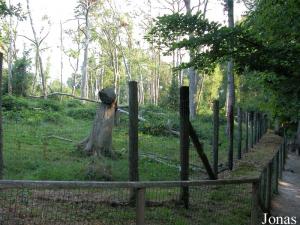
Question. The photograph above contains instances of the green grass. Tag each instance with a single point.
(29, 153)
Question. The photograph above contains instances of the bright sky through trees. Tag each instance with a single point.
(63, 10)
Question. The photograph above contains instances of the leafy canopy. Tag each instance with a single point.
(266, 42)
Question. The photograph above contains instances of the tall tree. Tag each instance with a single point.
(84, 9)
(73, 54)
(230, 90)
(10, 52)
(37, 42)
(194, 77)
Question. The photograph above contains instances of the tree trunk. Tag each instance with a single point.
(84, 68)
(61, 57)
(194, 80)
(10, 54)
(230, 92)
(193, 76)
(37, 44)
(99, 142)
(42, 74)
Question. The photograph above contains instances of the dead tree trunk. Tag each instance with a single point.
(99, 142)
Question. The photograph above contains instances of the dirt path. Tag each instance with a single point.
(287, 203)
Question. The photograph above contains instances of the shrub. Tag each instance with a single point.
(158, 120)
(74, 103)
(53, 117)
(82, 113)
(13, 103)
(50, 105)
(21, 78)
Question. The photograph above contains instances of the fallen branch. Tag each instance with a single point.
(65, 94)
(169, 162)
(73, 96)
(60, 138)
(175, 132)
(127, 113)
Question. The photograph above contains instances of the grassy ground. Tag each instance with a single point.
(31, 152)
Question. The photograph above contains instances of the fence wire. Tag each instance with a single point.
(65, 206)
(209, 204)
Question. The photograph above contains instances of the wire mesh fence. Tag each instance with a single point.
(35, 206)
(98, 203)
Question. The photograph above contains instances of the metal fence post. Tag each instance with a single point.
(255, 203)
(140, 206)
(215, 136)
(184, 142)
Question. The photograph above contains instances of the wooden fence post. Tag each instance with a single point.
(282, 157)
(247, 131)
(239, 150)
(280, 162)
(140, 206)
(284, 146)
(276, 172)
(184, 142)
(266, 123)
(268, 188)
(255, 203)
(262, 187)
(258, 126)
(133, 136)
(1, 126)
(255, 127)
(216, 137)
(252, 128)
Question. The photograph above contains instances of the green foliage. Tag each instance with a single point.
(158, 120)
(11, 10)
(213, 87)
(266, 43)
(54, 117)
(74, 103)
(21, 77)
(173, 96)
(14, 103)
(49, 105)
(82, 113)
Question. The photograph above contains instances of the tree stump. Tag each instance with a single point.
(99, 142)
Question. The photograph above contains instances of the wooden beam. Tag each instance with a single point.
(200, 151)
(8, 184)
